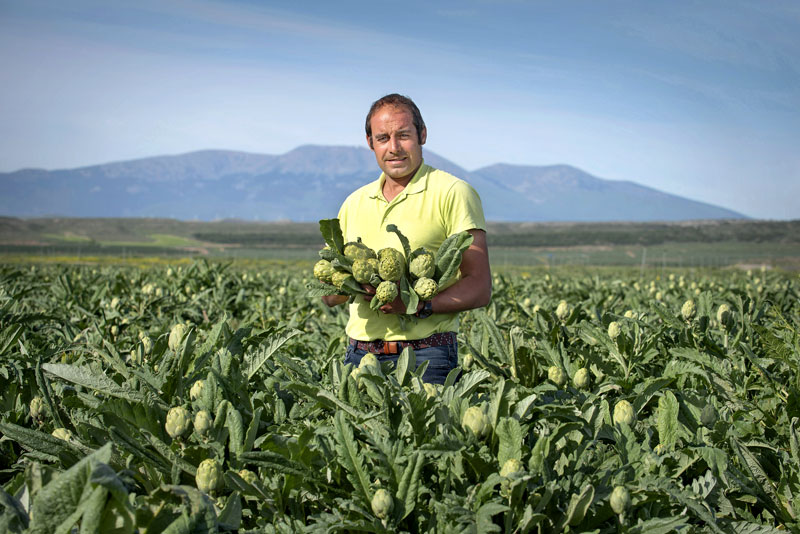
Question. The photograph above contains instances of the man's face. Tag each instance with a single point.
(395, 143)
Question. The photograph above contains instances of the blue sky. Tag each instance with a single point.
(695, 98)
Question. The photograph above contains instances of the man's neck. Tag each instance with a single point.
(394, 186)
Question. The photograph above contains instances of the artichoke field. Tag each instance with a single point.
(212, 398)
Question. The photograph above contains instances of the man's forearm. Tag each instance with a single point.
(474, 289)
(464, 295)
(334, 300)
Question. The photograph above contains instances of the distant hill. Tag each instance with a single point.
(310, 182)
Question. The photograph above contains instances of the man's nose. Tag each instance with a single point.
(394, 143)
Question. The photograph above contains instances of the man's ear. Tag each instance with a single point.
(369, 142)
(424, 136)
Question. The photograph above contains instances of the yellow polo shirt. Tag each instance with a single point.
(433, 206)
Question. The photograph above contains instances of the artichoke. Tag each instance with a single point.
(62, 433)
(176, 335)
(688, 310)
(323, 270)
(620, 500)
(391, 264)
(382, 504)
(203, 422)
(708, 416)
(248, 476)
(178, 422)
(468, 361)
(426, 288)
(624, 414)
(386, 292)
(358, 251)
(581, 379)
(511, 466)
(196, 390)
(364, 270)
(614, 330)
(475, 421)
(37, 408)
(556, 375)
(147, 344)
(562, 310)
(209, 475)
(338, 278)
(422, 265)
(724, 315)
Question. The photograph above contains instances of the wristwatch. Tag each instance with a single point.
(426, 310)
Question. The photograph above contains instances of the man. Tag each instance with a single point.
(427, 205)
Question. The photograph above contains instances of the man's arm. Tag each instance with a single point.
(473, 290)
(334, 300)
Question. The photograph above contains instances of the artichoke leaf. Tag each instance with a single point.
(332, 233)
(403, 239)
(408, 296)
(340, 263)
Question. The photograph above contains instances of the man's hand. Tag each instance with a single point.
(396, 306)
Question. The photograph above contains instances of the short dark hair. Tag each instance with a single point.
(396, 100)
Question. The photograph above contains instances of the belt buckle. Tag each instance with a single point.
(390, 347)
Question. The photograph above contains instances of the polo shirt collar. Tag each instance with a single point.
(417, 184)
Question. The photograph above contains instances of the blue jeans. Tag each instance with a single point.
(442, 360)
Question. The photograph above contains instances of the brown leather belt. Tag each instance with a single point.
(380, 346)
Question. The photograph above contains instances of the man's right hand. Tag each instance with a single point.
(370, 292)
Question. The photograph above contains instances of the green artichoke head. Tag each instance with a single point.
(426, 288)
(581, 379)
(364, 270)
(475, 421)
(176, 335)
(556, 375)
(178, 422)
(203, 422)
(37, 408)
(724, 315)
(614, 330)
(209, 475)
(382, 504)
(688, 310)
(620, 499)
(323, 270)
(248, 476)
(708, 416)
(391, 264)
(562, 310)
(422, 265)
(386, 292)
(356, 250)
(624, 414)
(147, 344)
(339, 277)
(196, 390)
(62, 433)
(511, 466)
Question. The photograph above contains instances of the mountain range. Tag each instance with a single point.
(310, 182)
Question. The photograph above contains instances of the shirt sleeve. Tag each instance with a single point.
(463, 209)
